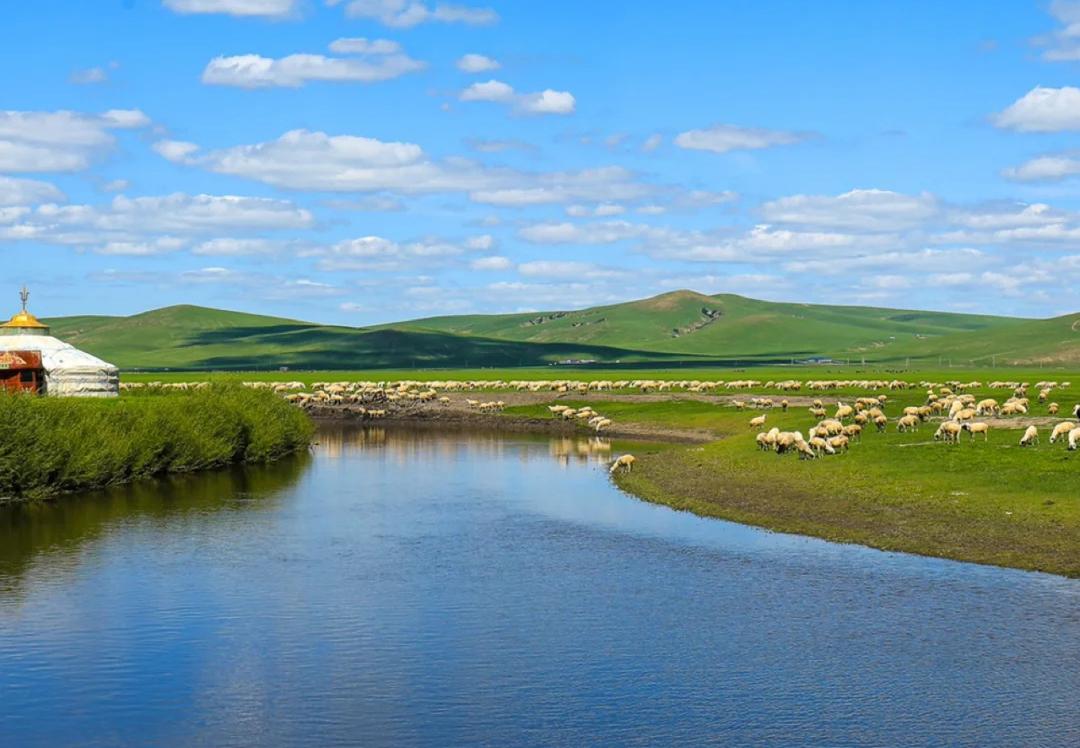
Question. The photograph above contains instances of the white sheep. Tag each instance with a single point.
(948, 431)
(1030, 437)
(1074, 439)
(978, 427)
(758, 421)
(1062, 429)
(626, 462)
(908, 423)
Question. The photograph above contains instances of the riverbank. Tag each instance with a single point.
(51, 446)
(987, 502)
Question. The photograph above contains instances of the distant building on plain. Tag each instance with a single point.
(33, 361)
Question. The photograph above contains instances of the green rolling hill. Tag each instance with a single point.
(681, 327)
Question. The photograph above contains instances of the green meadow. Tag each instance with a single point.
(987, 501)
(55, 445)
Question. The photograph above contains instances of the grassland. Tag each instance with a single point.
(988, 502)
(50, 445)
(680, 329)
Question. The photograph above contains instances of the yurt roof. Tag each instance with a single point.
(24, 321)
(56, 355)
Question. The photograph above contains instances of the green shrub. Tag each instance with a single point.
(52, 445)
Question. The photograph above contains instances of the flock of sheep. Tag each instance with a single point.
(958, 411)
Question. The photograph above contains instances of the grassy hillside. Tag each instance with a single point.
(677, 328)
(189, 337)
(730, 326)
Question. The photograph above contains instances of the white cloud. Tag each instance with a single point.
(241, 247)
(27, 191)
(408, 13)
(174, 150)
(376, 61)
(306, 160)
(761, 242)
(542, 102)
(605, 183)
(607, 232)
(491, 263)
(139, 225)
(483, 242)
(362, 46)
(918, 262)
(474, 63)
(857, 210)
(243, 8)
(725, 138)
(1005, 215)
(60, 141)
(600, 211)
(1048, 168)
(568, 269)
(1063, 44)
(1042, 109)
(89, 76)
(652, 142)
(145, 248)
(376, 253)
(499, 146)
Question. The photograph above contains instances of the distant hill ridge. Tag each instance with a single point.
(676, 327)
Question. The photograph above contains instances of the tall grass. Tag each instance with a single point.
(53, 445)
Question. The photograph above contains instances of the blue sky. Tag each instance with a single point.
(362, 161)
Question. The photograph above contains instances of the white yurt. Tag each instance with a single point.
(34, 361)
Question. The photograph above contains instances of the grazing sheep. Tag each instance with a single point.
(978, 427)
(948, 431)
(853, 431)
(757, 421)
(881, 422)
(831, 426)
(839, 443)
(820, 445)
(626, 462)
(1076, 412)
(767, 440)
(1061, 430)
(784, 405)
(1074, 439)
(1030, 437)
(908, 423)
(844, 411)
(1053, 408)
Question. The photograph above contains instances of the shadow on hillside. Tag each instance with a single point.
(251, 333)
(342, 348)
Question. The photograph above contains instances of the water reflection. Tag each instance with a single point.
(337, 441)
(422, 588)
(54, 532)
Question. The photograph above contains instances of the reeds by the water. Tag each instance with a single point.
(54, 445)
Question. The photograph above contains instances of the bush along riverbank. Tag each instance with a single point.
(50, 446)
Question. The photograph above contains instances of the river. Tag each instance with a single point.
(405, 587)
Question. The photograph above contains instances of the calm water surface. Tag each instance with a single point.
(409, 588)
